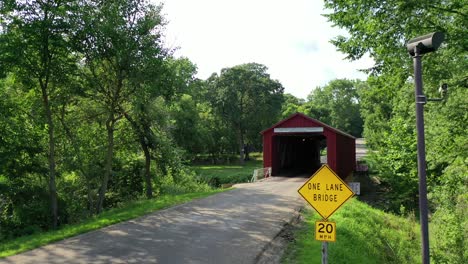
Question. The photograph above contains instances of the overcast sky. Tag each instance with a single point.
(290, 37)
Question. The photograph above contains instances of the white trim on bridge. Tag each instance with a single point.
(298, 130)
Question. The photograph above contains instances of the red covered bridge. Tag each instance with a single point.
(292, 147)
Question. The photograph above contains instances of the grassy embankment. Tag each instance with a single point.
(364, 235)
(217, 175)
(113, 216)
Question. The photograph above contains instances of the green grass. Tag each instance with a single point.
(113, 216)
(222, 174)
(364, 235)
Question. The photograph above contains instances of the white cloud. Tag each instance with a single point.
(290, 37)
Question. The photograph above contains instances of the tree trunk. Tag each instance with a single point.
(144, 143)
(110, 124)
(241, 148)
(51, 157)
(149, 187)
(90, 198)
(246, 152)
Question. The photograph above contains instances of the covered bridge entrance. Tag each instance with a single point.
(292, 147)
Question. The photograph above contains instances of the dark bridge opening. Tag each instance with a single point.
(299, 154)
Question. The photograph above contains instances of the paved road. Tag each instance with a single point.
(230, 227)
(361, 149)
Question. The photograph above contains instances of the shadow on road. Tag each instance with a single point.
(230, 227)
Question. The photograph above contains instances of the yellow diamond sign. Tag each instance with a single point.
(325, 191)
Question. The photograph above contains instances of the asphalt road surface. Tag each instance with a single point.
(230, 227)
(361, 149)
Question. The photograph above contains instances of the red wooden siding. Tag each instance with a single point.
(341, 153)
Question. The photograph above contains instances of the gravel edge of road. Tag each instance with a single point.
(274, 250)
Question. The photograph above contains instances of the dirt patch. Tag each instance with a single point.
(372, 190)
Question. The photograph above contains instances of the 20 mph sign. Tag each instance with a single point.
(325, 191)
(325, 231)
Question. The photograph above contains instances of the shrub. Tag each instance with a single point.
(183, 181)
(25, 209)
(450, 221)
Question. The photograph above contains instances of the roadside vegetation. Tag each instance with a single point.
(96, 111)
(380, 30)
(217, 175)
(364, 235)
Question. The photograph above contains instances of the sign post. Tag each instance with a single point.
(325, 192)
(324, 252)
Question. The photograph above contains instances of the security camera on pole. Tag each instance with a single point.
(417, 47)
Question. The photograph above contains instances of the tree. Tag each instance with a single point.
(381, 30)
(249, 100)
(337, 104)
(291, 105)
(24, 202)
(121, 42)
(447, 160)
(35, 45)
(186, 124)
(162, 77)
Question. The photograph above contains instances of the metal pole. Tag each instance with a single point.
(324, 252)
(420, 101)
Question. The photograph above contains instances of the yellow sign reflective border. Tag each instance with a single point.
(325, 231)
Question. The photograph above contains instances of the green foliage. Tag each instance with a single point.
(337, 104)
(86, 88)
(364, 235)
(376, 106)
(187, 130)
(183, 182)
(216, 175)
(450, 221)
(396, 166)
(447, 156)
(24, 208)
(126, 183)
(20, 137)
(381, 29)
(291, 105)
(248, 100)
(34, 43)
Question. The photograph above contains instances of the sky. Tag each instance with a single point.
(290, 37)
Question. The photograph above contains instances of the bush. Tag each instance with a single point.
(395, 162)
(217, 181)
(25, 210)
(126, 182)
(450, 221)
(183, 181)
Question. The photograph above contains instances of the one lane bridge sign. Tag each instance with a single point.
(325, 191)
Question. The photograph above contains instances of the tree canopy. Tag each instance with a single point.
(248, 100)
(381, 30)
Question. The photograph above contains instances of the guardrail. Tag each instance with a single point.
(261, 174)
